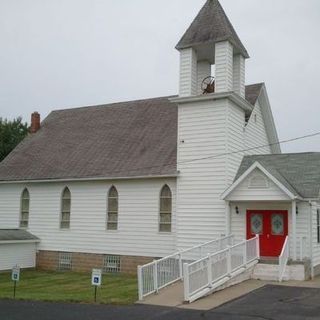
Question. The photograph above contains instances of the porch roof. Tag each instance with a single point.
(299, 173)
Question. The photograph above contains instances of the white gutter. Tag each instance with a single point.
(19, 241)
(91, 179)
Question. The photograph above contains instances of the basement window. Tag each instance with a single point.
(111, 264)
(65, 261)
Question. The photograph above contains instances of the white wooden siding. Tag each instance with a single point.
(224, 66)
(245, 193)
(188, 72)
(234, 140)
(138, 222)
(239, 75)
(200, 211)
(256, 134)
(21, 254)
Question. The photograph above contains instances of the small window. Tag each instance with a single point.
(318, 225)
(65, 261)
(112, 217)
(165, 209)
(112, 264)
(65, 209)
(25, 204)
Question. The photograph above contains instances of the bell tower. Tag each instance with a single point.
(211, 120)
(211, 41)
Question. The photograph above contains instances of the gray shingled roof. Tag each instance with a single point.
(253, 91)
(298, 172)
(211, 25)
(129, 139)
(16, 235)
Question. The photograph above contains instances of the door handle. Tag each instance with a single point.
(268, 236)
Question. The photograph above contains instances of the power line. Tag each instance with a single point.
(227, 153)
(253, 148)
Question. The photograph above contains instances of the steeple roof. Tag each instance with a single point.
(210, 26)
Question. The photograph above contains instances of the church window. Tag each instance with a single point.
(24, 212)
(112, 217)
(318, 225)
(165, 209)
(65, 209)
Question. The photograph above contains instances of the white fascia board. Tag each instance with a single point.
(257, 165)
(91, 179)
(19, 241)
(269, 120)
(234, 97)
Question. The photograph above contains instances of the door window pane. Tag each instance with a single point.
(256, 223)
(277, 224)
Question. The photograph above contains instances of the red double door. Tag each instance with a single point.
(272, 228)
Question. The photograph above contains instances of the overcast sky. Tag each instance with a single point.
(58, 54)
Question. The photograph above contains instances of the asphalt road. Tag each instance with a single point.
(267, 303)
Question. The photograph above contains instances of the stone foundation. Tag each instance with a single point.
(85, 262)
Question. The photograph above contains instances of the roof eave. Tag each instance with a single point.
(174, 175)
(19, 241)
(236, 98)
(258, 165)
(242, 51)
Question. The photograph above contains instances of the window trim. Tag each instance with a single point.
(112, 212)
(61, 209)
(21, 209)
(159, 211)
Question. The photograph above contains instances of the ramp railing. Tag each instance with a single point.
(158, 274)
(283, 258)
(209, 272)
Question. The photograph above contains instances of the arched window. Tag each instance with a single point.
(112, 217)
(165, 209)
(65, 209)
(24, 214)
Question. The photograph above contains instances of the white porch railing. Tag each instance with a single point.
(163, 272)
(283, 258)
(217, 268)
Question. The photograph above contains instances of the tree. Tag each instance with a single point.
(11, 133)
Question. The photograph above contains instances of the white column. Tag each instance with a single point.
(204, 70)
(224, 66)
(188, 72)
(228, 218)
(239, 66)
(294, 229)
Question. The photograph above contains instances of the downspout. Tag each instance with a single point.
(311, 240)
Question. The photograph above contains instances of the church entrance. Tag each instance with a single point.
(272, 228)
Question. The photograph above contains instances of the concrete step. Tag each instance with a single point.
(269, 272)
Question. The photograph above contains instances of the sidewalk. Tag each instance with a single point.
(173, 295)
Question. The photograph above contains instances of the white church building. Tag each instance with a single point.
(119, 185)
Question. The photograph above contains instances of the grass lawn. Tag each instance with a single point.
(70, 287)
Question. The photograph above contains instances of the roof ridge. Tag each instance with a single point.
(113, 103)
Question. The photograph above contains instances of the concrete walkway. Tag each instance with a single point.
(173, 295)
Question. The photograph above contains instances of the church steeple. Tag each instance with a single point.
(211, 40)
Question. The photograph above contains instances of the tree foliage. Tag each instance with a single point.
(11, 133)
